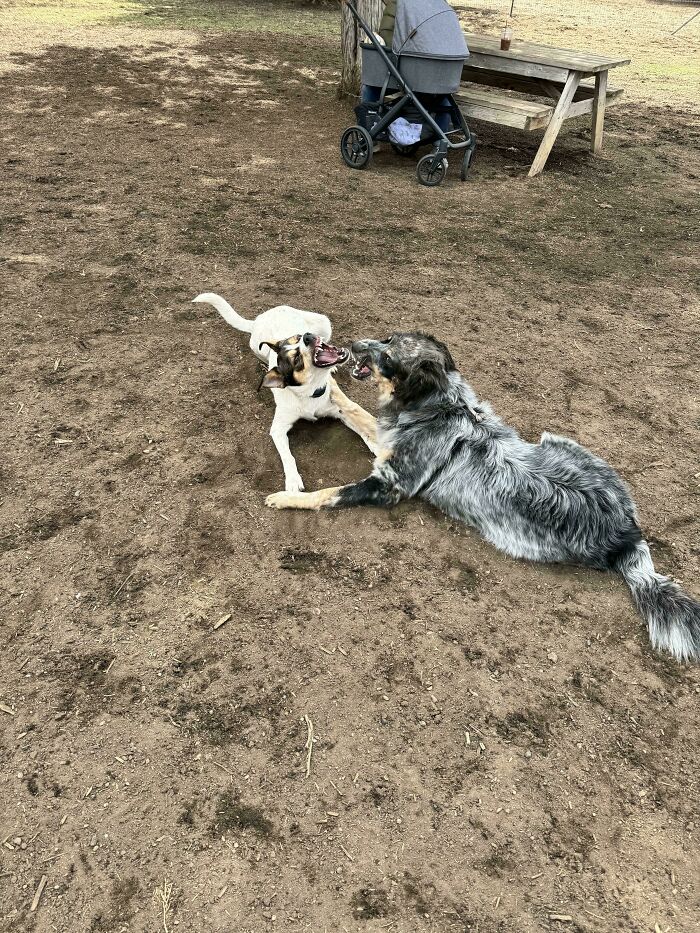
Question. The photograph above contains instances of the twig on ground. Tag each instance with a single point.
(222, 767)
(121, 586)
(164, 894)
(309, 747)
(37, 895)
(6, 709)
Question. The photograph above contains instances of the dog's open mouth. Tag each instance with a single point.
(325, 354)
(361, 369)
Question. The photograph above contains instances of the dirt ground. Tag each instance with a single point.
(496, 747)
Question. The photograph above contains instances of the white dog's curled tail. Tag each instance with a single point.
(226, 311)
(672, 615)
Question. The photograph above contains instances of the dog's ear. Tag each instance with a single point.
(449, 362)
(273, 379)
(426, 376)
(447, 356)
(273, 346)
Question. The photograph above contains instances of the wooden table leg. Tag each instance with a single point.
(558, 117)
(599, 98)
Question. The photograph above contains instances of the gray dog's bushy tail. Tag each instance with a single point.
(672, 615)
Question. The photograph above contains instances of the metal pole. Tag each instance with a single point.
(685, 23)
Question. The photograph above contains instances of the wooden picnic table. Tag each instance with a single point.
(559, 74)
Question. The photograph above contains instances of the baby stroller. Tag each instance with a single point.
(424, 64)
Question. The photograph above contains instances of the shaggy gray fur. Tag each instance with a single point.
(551, 501)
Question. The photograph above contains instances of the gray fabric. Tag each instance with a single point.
(428, 29)
(422, 75)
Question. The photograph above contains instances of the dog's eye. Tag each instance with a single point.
(388, 340)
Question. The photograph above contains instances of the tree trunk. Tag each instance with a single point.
(350, 37)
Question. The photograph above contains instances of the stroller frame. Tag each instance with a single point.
(357, 142)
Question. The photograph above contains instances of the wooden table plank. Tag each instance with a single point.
(600, 97)
(516, 66)
(504, 101)
(536, 54)
(501, 111)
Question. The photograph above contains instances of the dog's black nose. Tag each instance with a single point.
(309, 339)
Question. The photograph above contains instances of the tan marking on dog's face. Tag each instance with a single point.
(295, 360)
(385, 387)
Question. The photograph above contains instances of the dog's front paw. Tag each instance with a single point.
(278, 500)
(294, 484)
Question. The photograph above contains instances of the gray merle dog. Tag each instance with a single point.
(552, 501)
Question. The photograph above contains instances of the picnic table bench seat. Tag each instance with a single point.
(504, 108)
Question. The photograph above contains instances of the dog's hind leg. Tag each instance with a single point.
(279, 431)
(354, 416)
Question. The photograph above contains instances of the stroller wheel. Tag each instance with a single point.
(430, 172)
(356, 147)
(405, 151)
(467, 160)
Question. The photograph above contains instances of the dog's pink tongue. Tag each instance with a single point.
(327, 355)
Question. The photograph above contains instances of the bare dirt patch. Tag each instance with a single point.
(495, 743)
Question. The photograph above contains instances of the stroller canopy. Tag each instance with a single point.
(428, 29)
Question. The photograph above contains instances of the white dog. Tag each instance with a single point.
(300, 367)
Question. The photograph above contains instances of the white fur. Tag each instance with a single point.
(291, 403)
